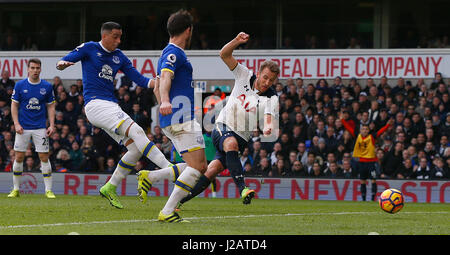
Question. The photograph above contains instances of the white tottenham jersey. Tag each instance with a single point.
(245, 109)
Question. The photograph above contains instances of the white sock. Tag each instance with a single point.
(46, 169)
(125, 165)
(183, 185)
(171, 173)
(147, 147)
(17, 173)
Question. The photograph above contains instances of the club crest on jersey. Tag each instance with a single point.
(33, 104)
(106, 73)
(42, 91)
(116, 59)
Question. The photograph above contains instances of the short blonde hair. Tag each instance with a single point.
(272, 65)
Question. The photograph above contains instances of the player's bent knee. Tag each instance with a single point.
(230, 144)
(214, 168)
(129, 128)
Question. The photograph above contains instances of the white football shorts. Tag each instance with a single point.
(37, 136)
(186, 137)
(108, 116)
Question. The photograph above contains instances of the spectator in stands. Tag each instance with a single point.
(6, 82)
(76, 156)
(437, 80)
(166, 146)
(30, 165)
(316, 170)
(262, 168)
(63, 160)
(279, 169)
(406, 170)
(347, 170)
(440, 171)
(110, 165)
(423, 171)
(90, 156)
(392, 161)
(333, 171)
(245, 158)
(297, 170)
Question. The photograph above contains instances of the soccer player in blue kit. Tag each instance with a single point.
(100, 63)
(33, 102)
(176, 95)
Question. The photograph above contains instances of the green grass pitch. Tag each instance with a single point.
(92, 215)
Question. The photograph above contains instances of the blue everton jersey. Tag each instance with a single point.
(100, 67)
(174, 60)
(33, 100)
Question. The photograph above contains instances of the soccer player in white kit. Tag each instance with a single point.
(32, 104)
(252, 97)
(100, 63)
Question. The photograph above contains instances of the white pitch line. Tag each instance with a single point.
(201, 218)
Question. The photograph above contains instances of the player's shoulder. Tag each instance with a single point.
(46, 83)
(173, 50)
(87, 45)
(21, 82)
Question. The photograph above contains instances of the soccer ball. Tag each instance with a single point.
(391, 200)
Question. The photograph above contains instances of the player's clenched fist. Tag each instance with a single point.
(242, 37)
(165, 108)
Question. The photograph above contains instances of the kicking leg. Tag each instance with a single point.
(196, 166)
(123, 169)
(214, 168)
(231, 148)
(145, 146)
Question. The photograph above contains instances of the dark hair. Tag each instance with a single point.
(34, 60)
(178, 22)
(109, 26)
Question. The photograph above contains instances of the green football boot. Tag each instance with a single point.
(247, 195)
(108, 191)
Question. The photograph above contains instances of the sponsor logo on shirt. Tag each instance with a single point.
(33, 104)
(106, 73)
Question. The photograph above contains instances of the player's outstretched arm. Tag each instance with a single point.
(226, 53)
(390, 123)
(62, 64)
